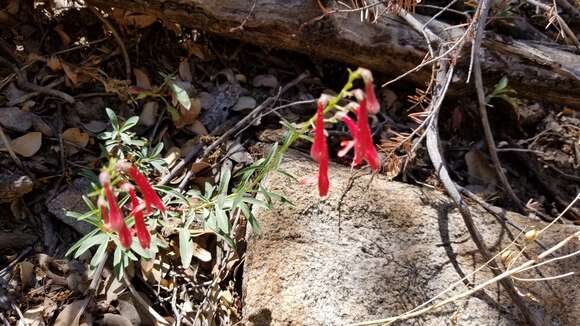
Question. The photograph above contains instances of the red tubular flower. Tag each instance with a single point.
(104, 213)
(142, 232)
(367, 147)
(115, 216)
(355, 142)
(372, 102)
(364, 148)
(149, 195)
(125, 236)
(319, 150)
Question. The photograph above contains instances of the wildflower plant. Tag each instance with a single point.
(123, 216)
(362, 142)
(127, 210)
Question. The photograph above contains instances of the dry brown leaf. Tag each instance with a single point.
(197, 167)
(64, 38)
(34, 316)
(54, 63)
(198, 128)
(185, 70)
(71, 73)
(34, 57)
(189, 116)
(152, 270)
(173, 154)
(15, 119)
(141, 78)
(95, 126)
(74, 139)
(27, 276)
(69, 316)
(244, 103)
(26, 145)
(200, 253)
(196, 49)
(140, 21)
(148, 116)
(119, 16)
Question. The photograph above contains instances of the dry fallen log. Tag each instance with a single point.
(536, 71)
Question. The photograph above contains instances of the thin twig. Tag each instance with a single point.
(241, 26)
(240, 124)
(118, 39)
(483, 13)
(444, 77)
(142, 301)
(273, 110)
(6, 143)
(90, 292)
(15, 261)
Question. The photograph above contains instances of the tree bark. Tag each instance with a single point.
(536, 71)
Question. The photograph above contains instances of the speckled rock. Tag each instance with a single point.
(378, 249)
(71, 200)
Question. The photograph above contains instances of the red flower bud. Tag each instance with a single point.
(125, 236)
(149, 195)
(142, 232)
(364, 148)
(319, 151)
(115, 216)
(368, 151)
(104, 213)
(373, 104)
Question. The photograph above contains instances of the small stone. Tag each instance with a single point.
(244, 103)
(15, 119)
(268, 81)
(71, 200)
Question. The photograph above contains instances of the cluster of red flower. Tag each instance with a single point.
(362, 141)
(113, 217)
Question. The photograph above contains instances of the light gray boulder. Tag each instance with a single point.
(377, 249)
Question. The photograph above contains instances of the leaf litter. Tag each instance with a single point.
(185, 99)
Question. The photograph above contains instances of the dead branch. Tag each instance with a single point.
(390, 45)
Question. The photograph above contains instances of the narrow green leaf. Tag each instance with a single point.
(91, 242)
(78, 243)
(100, 254)
(112, 117)
(130, 123)
(225, 176)
(136, 247)
(223, 222)
(250, 217)
(185, 247)
(181, 95)
(502, 84)
(117, 256)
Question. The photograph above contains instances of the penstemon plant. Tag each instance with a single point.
(126, 223)
(120, 214)
(362, 142)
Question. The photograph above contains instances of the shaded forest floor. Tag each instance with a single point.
(60, 69)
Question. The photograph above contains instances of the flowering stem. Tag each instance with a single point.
(304, 127)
